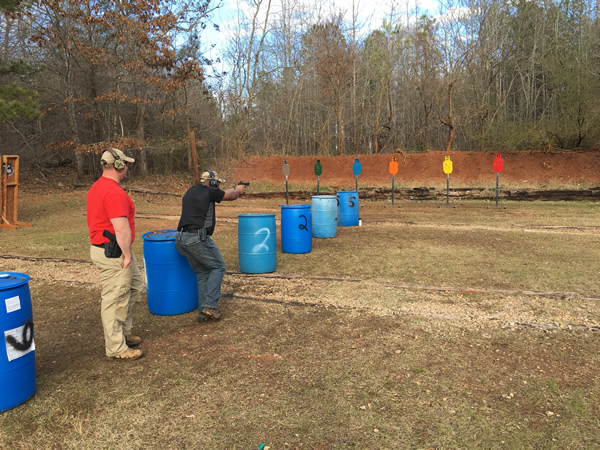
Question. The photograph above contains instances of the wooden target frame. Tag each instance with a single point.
(10, 192)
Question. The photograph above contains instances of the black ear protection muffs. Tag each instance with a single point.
(213, 180)
(118, 164)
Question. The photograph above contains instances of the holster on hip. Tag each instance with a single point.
(111, 248)
(203, 235)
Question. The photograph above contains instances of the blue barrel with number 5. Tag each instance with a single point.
(347, 208)
(296, 229)
(17, 361)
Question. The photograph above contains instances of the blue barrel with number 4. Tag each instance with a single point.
(17, 361)
(324, 216)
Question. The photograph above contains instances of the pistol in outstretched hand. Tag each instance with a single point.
(244, 183)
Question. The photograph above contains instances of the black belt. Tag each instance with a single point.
(190, 229)
(202, 232)
(99, 245)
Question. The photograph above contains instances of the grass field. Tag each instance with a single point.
(427, 327)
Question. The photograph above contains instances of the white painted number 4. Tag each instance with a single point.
(19, 341)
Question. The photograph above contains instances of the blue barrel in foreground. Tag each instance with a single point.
(348, 208)
(17, 363)
(257, 243)
(296, 229)
(324, 216)
(171, 284)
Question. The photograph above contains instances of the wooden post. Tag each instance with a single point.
(194, 157)
(10, 190)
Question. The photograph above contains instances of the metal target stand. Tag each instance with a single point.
(10, 191)
(448, 167)
(498, 167)
(393, 169)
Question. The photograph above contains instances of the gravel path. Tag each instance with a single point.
(465, 308)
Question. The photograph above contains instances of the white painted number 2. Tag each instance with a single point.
(263, 245)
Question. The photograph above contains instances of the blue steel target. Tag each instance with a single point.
(356, 167)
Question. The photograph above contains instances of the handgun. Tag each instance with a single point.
(245, 183)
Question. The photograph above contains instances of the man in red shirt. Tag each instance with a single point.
(110, 218)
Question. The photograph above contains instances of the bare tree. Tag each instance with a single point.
(333, 60)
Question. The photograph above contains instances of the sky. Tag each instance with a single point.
(370, 13)
(370, 16)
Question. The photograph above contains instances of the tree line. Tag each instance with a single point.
(293, 79)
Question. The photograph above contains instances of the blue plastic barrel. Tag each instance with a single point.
(296, 229)
(171, 284)
(17, 361)
(324, 216)
(257, 243)
(347, 208)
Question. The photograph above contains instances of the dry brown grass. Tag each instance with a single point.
(412, 331)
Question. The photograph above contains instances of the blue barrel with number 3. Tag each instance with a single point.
(296, 229)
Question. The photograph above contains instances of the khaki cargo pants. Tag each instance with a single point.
(121, 291)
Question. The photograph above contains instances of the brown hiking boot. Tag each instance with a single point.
(129, 354)
(133, 341)
(211, 313)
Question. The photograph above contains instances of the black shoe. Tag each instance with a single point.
(211, 313)
(133, 341)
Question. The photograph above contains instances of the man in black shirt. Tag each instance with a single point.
(194, 240)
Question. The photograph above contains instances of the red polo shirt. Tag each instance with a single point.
(107, 200)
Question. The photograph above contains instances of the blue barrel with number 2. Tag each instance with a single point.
(257, 243)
